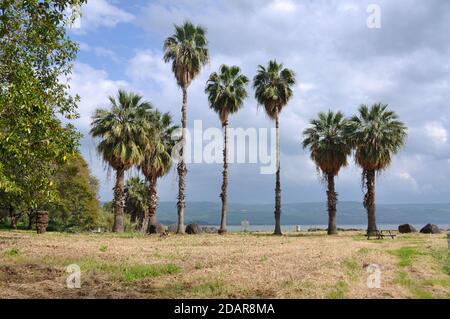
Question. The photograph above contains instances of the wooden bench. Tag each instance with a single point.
(380, 235)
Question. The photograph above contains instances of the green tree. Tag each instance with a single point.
(77, 203)
(157, 161)
(122, 130)
(329, 146)
(226, 92)
(376, 134)
(273, 90)
(136, 200)
(36, 57)
(187, 50)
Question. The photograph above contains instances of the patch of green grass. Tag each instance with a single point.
(406, 255)
(442, 258)
(264, 258)
(138, 272)
(339, 290)
(415, 287)
(363, 251)
(11, 252)
(211, 288)
(351, 267)
(103, 248)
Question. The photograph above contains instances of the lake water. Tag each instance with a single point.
(290, 228)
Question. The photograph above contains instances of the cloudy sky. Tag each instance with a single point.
(339, 63)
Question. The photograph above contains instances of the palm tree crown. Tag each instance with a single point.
(188, 52)
(157, 160)
(122, 129)
(226, 91)
(273, 87)
(377, 134)
(328, 142)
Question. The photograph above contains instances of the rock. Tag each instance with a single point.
(406, 228)
(172, 228)
(157, 229)
(430, 229)
(209, 230)
(193, 229)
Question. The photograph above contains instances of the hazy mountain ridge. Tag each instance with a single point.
(349, 213)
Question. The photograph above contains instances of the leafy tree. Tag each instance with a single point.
(77, 204)
(330, 148)
(136, 200)
(157, 160)
(35, 55)
(187, 50)
(226, 92)
(377, 134)
(273, 90)
(122, 130)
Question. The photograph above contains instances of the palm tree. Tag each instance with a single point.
(187, 50)
(329, 147)
(157, 161)
(136, 200)
(376, 134)
(273, 90)
(122, 129)
(226, 93)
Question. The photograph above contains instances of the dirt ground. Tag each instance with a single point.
(254, 265)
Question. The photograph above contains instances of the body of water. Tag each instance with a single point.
(290, 228)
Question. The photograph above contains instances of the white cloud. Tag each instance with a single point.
(436, 131)
(93, 86)
(101, 13)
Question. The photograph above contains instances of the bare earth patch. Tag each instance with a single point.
(297, 265)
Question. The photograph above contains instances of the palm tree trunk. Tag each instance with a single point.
(31, 217)
(153, 202)
(369, 202)
(332, 200)
(119, 201)
(278, 181)
(181, 168)
(223, 195)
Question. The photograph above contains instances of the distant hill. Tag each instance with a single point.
(349, 213)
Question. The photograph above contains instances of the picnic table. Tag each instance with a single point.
(380, 234)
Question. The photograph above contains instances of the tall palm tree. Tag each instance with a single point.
(377, 134)
(188, 53)
(121, 129)
(136, 200)
(330, 148)
(226, 92)
(273, 90)
(157, 161)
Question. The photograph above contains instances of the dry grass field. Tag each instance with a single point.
(297, 265)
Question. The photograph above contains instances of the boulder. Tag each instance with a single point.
(406, 228)
(157, 229)
(172, 228)
(430, 229)
(193, 229)
(209, 230)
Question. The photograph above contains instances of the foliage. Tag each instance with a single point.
(226, 91)
(328, 142)
(377, 134)
(273, 87)
(77, 204)
(187, 51)
(35, 57)
(136, 198)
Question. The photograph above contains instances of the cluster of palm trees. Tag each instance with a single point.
(375, 134)
(133, 133)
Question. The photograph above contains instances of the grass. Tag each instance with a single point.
(339, 290)
(11, 252)
(305, 265)
(406, 255)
